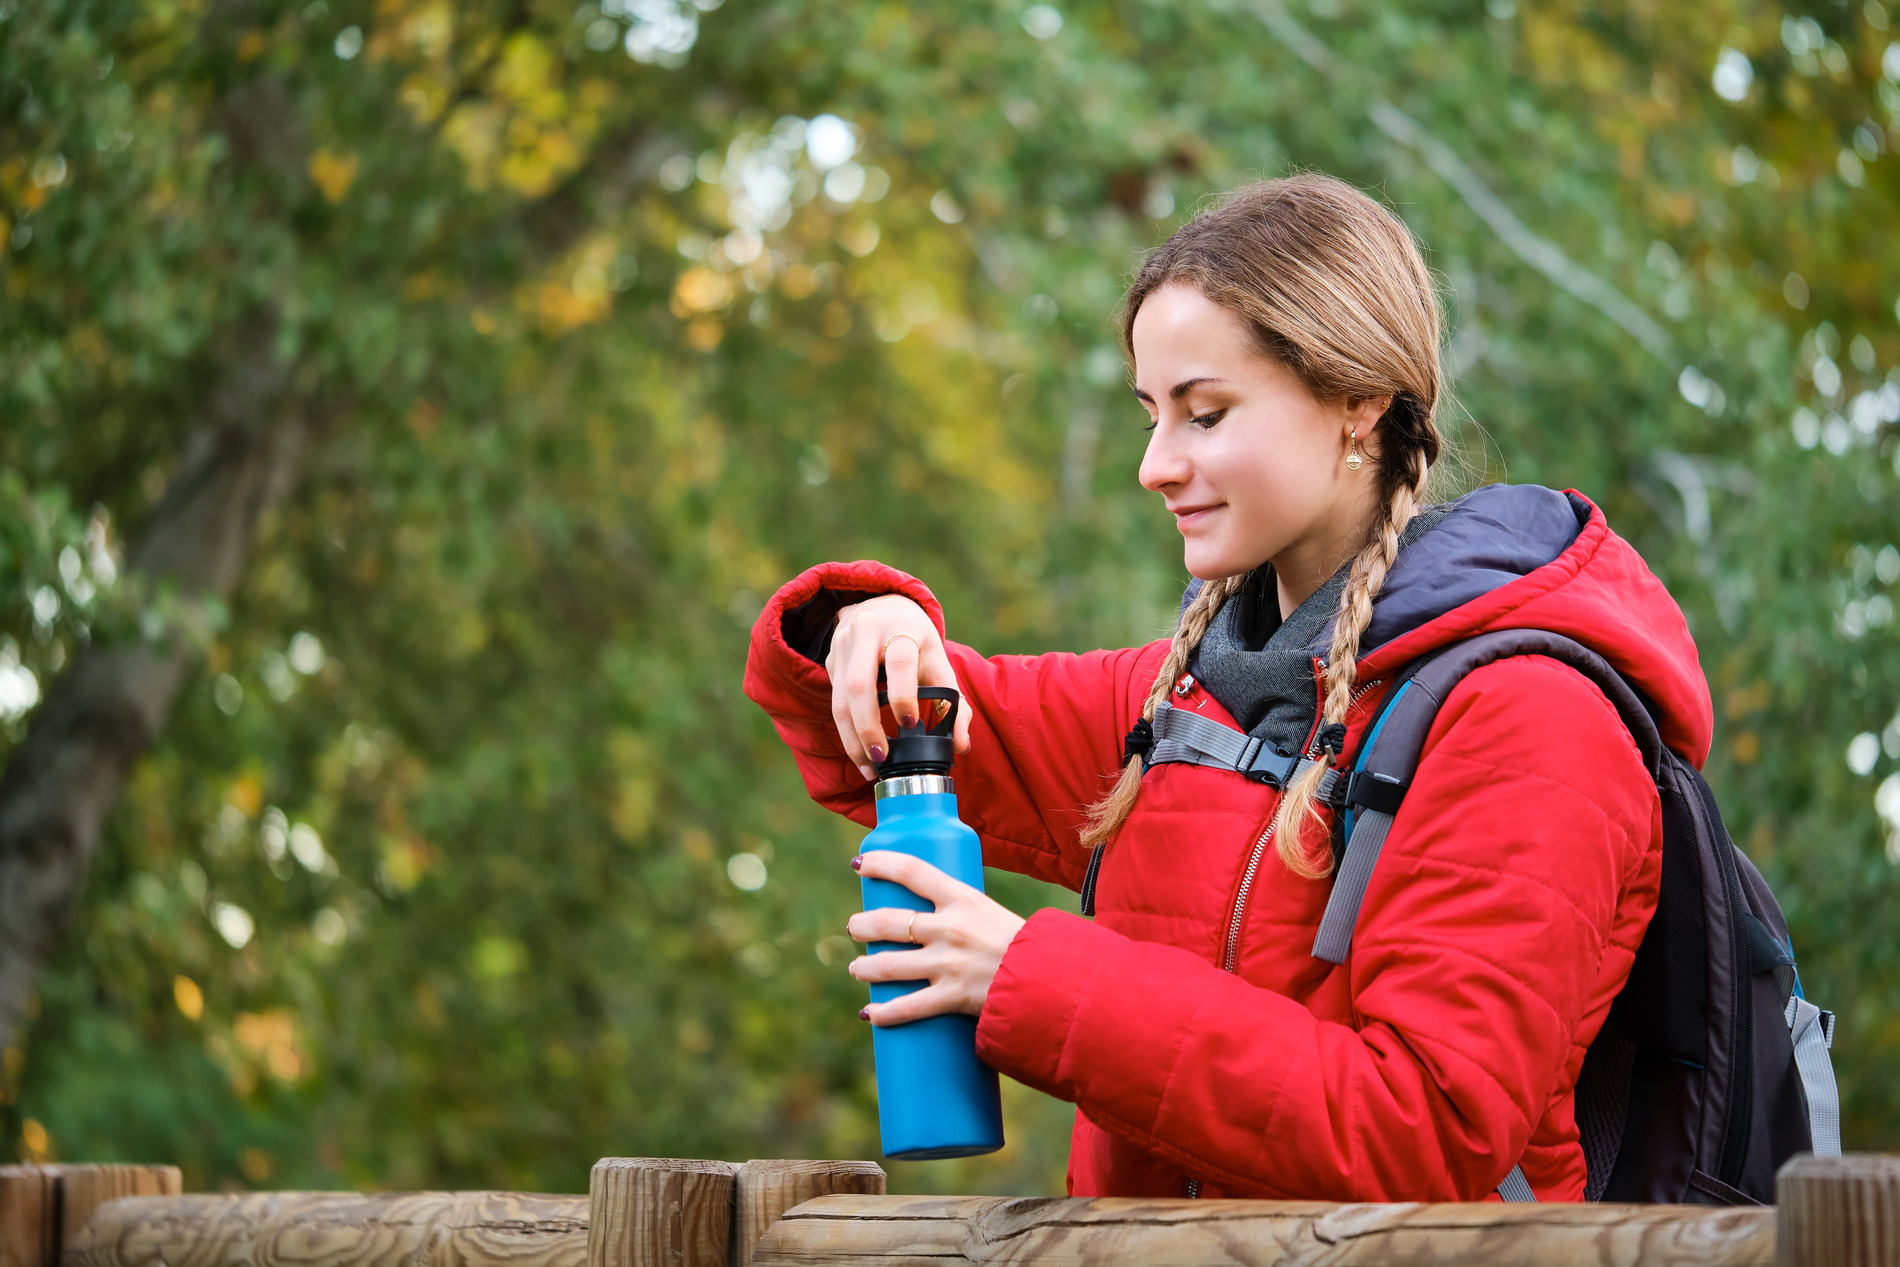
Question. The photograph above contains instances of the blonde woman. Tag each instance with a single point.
(1285, 347)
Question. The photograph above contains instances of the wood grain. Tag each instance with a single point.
(1839, 1211)
(29, 1216)
(335, 1229)
(41, 1206)
(83, 1189)
(943, 1231)
(765, 1190)
(660, 1212)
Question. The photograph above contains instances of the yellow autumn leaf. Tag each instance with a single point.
(700, 290)
(247, 794)
(189, 997)
(333, 172)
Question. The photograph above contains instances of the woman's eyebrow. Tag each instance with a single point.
(1179, 389)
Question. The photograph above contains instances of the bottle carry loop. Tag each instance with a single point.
(924, 747)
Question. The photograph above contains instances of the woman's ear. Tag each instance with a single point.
(1362, 423)
(1363, 415)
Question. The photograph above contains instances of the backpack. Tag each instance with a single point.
(1712, 1068)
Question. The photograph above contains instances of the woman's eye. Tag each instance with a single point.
(1203, 421)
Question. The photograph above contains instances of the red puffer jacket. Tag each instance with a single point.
(1501, 920)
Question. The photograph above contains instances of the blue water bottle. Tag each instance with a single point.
(934, 1097)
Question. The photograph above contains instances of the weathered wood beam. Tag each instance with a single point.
(887, 1231)
(658, 1212)
(640, 1212)
(330, 1229)
(767, 1189)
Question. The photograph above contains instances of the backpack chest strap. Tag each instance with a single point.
(1181, 736)
(1186, 737)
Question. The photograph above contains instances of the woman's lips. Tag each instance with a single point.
(1187, 520)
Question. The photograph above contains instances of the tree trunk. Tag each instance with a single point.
(105, 711)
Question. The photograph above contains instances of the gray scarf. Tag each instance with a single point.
(1259, 666)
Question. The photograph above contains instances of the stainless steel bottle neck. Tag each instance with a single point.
(915, 785)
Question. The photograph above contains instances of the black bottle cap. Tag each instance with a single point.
(925, 748)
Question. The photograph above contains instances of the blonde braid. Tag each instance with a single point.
(1332, 286)
(1369, 569)
(1107, 815)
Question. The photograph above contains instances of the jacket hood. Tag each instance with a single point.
(1503, 557)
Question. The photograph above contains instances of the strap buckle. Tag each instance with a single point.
(1265, 765)
(1371, 790)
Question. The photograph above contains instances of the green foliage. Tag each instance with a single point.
(603, 366)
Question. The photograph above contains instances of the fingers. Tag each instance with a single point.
(854, 694)
(836, 669)
(913, 873)
(897, 965)
(901, 652)
(847, 733)
(914, 1006)
(889, 923)
(893, 632)
(934, 669)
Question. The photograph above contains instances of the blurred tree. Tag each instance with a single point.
(407, 407)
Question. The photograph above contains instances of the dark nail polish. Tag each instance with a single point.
(907, 722)
(877, 754)
(864, 1014)
(857, 862)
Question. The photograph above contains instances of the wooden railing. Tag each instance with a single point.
(659, 1212)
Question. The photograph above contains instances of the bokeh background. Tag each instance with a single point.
(568, 332)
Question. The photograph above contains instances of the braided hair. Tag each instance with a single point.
(1333, 286)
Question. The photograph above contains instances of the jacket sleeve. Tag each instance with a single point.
(1045, 733)
(1505, 908)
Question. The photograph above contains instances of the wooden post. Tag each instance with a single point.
(1838, 1211)
(767, 1189)
(659, 1212)
(43, 1207)
(29, 1216)
(83, 1189)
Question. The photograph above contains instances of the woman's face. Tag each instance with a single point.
(1250, 462)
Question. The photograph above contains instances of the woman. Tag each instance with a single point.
(1286, 348)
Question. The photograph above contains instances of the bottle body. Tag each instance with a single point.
(934, 1097)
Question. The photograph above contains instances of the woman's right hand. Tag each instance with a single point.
(893, 631)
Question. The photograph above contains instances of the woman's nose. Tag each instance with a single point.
(1164, 463)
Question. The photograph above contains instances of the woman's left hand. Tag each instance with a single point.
(959, 945)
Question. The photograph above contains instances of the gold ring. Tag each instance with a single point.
(909, 936)
(886, 648)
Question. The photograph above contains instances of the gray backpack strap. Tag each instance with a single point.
(1349, 885)
(1813, 1034)
(1185, 736)
(1516, 1187)
(1388, 756)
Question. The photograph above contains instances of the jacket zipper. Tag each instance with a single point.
(1230, 951)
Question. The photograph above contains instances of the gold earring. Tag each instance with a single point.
(1353, 460)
